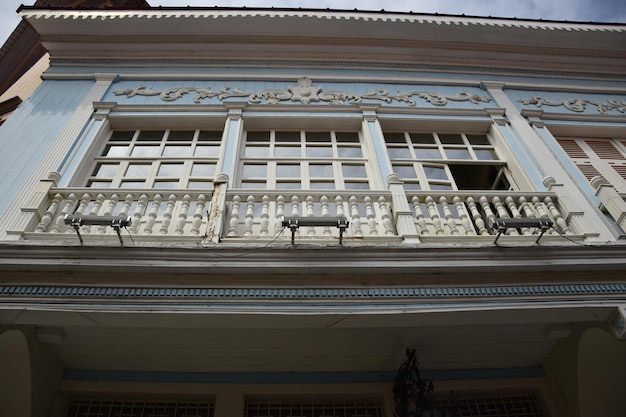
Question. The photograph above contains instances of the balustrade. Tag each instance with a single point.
(250, 215)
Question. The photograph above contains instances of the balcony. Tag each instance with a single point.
(238, 215)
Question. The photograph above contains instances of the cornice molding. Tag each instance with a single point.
(214, 13)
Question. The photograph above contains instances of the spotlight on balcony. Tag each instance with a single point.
(501, 224)
(114, 222)
(294, 223)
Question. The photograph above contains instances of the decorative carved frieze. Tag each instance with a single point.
(304, 92)
(578, 105)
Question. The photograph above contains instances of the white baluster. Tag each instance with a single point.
(109, 211)
(356, 217)
(463, 215)
(46, 219)
(234, 217)
(310, 212)
(385, 215)
(339, 206)
(154, 212)
(434, 215)
(82, 205)
(325, 213)
(540, 208)
(447, 213)
(249, 221)
(557, 216)
(182, 215)
(422, 226)
(128, 201)
(265, 215)
(67, 209)
(295, 206)
(370, 215)
(489, 214)
(515, 213)
(138, 214)
(167, 216)
(198, 215)
(503, 214)
(280, 212)
(475, 213)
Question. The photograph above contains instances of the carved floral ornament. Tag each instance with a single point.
(304, 92)
(577, 104)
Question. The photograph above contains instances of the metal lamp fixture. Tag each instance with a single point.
(294, 223)
(414, 396)
(115, 222)
(501, 224)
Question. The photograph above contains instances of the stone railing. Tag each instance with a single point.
(151, 213)
(247, 215)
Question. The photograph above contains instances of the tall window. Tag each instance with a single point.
(599, 157)
(446, 161)
(326, 160)
(157, 159)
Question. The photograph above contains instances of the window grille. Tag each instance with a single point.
(98, 408)
(314, 409)
(502, 406)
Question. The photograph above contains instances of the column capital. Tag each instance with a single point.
(492, 85)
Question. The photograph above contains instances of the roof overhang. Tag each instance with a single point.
(333, 36)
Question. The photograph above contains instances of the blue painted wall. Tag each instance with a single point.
(26, 136)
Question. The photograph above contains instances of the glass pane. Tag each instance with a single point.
(287, 136)
(486, 154)
(146, 150)
(395, 138)
(253, 151)
(451, 138)
(205, 185)
(458, 153)
(260, 136)
(176, 150)
(357, 185)
(405, 171)
(287, 151)
(347, 137)
(181, 135)
(318, 136)
(422, 138)
(138, 170)
(105, 170)
(440, 187)
(427, 153)
(288, 171)
(357, 171)
(170, 170)
(412, 186)
(210, 135)
(99, 184)
(115, 151)
(154, 135)
(166, 184)
(349, 152)
(478, 139)
(258, 171)
(207, 151)
(122, 135)
(132, 184)
(322, 185)
(321, 170)
(435, 173)
(398, 153)
(250, 184)
(287, 185)
(203, 170)
(319, 152)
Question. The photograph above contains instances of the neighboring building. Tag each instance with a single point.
(430, 135)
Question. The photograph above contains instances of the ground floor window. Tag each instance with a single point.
(104, 408)
(314, 409)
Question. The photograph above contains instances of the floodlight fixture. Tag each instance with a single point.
(76, 221)
(501, 224)
(294, 223)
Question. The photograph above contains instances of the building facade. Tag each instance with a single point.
(255, 212)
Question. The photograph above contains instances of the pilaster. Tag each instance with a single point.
(372, 128)
(56, 155)
(231, 140)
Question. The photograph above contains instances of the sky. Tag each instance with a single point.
(609, 11)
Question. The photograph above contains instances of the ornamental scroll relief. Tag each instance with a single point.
(577, 104)
(304, 92)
